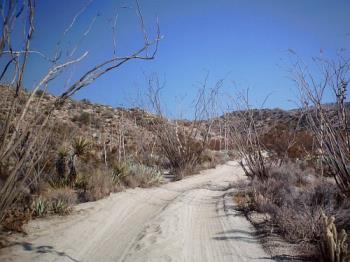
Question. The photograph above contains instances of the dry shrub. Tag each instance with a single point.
(184, 171)
(60, 200)
(131, 181)
(15, 218)
(18, 214)
(284, 143)
(210, 159)
(99, 185)
(216, 144)
(143, 176)
(242, 201)
(299, 226)
(295, 198)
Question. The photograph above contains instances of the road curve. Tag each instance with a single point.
(188, 220)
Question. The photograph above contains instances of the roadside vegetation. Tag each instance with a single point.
(299, 172)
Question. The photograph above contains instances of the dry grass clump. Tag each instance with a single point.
(99, 185)
(210, 159)
(123, 175)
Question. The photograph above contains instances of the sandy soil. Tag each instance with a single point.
(189, 220)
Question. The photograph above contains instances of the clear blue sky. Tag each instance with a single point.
(245, 38)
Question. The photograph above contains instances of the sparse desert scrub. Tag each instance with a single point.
(60, 200)
(284, 143)
(210, 159)
(295, 198)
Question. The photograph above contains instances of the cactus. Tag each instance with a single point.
(334, 247)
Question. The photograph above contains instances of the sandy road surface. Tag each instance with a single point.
(189, 220)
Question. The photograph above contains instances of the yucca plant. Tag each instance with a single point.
(80, 147)
(61, 162)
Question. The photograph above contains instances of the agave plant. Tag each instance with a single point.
(60, 207)
(39, 207)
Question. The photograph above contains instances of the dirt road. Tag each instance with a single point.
(189, 220)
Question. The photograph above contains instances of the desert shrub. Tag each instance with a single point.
(26, 129)
(183, 142)
(216, 144)
(184, 171)
(210, 159)
(295, 198)
(15, 218)
(99, 185)
(285, 144)
(60, 200)
(19, 213)
(107, 114)
(84, 118)
(329, 123)
(180, 147)
(343, 217)
(153, 160)
(143, 176)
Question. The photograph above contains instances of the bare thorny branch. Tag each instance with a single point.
(183, 142)
(332, 131)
